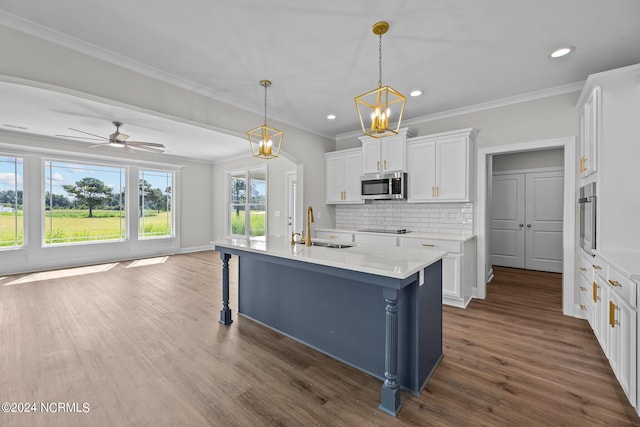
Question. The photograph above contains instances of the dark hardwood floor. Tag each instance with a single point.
(142, 347)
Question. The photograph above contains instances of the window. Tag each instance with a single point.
(11, 194)
(156, 210)
(248, 193)
(84, 202)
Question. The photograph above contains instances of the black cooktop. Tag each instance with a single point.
(398, 231)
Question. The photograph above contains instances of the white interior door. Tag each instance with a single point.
(507, 220)
(526, 220)
(544, 206)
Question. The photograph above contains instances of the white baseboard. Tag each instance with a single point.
(194, 249)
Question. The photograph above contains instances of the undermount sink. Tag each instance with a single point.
(329, 244)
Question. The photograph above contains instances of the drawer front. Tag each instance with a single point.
(585, 304)
(335, 235)
(374, 239)
(586, 267)
(442, 245)
(600, 268)
(623, 286)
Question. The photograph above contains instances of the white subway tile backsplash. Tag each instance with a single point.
(454, 218)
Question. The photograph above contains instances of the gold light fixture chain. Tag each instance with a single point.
(265, 104)
(380, 60)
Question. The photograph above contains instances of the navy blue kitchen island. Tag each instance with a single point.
(377, 309)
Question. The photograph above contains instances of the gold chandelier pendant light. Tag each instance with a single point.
(377, 107)
(265, 140)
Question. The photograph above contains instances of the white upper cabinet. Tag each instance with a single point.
(343, 171)
(439, 167)
(590, 118)
(388, 154)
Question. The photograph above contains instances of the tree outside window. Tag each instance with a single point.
(155, 200)
(83, 202)
(11, 196)
(248, 203)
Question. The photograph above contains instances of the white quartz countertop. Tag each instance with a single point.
(626, 261)
(415, 235)
(395, 262)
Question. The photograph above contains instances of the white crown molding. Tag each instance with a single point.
(36, 30)
(502, 102)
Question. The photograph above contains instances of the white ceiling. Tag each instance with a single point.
(319, 55)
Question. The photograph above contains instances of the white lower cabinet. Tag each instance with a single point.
(610, 305)
(622, 329)
(458, 266)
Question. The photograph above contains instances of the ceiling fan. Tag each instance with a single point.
(119, 140)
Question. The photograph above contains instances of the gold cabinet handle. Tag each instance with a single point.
(583, 289)
(378, 165)
(595, 291)
(437, 191)
(333, 237)
(614, 283)
(597, 267)
(612, 314)
(583, 269)
(428, 245)
(433, 191)
(385, 165)
(583, 307)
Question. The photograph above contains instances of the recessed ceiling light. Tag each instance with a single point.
(562, 51)
(416, 92)
(331, 117)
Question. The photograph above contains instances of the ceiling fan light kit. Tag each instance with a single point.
(118, 140)
(376, 107)
(265, 140)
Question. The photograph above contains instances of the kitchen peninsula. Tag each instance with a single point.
(377, 310)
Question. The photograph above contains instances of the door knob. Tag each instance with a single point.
(528, 225)
(520, 225)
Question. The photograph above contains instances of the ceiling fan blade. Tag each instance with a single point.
(128, 149)
(81, 137)
(98, 145)
(92, 134)
(146, 148)
(149, 144)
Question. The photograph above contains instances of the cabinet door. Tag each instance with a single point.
(591, 132)
(622, 328)
(335, 178)
(393, 151)
(452, 170)
(352, 173)
(371, 156)
(601, 313)
(421, 163)
(451, 275)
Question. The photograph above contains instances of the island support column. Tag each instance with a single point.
(390, 395)
(225, 312)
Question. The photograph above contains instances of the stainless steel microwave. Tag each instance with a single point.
(384, 186)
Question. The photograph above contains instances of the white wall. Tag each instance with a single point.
(529, 160)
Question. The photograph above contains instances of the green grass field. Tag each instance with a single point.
(73, 225)
(256, 224)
